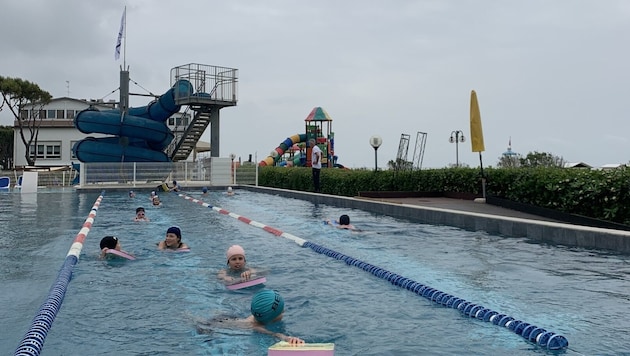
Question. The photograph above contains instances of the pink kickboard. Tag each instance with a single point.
(251, 282)
(283, 348)
(122, 254)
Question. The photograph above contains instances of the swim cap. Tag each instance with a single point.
(229, 189)
(139, 209)
(175, 230)
(204, 189)
(267, 305)
(109, 242)
(235, 250)
(344, 220)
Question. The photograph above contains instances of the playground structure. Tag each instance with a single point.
(418, 152)
(296, 151)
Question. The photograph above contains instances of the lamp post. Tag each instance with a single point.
(457, 137)
(232, 156)
(376, 141)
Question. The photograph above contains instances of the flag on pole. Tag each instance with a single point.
(121, 33)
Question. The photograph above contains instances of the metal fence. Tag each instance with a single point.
(207, 171)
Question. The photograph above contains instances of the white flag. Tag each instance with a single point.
(120, 34)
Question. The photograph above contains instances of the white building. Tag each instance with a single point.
(57, 133)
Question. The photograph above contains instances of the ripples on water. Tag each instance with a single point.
(148, 306)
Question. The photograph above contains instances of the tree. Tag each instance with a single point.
(16, 93)
(6, 147)
(542, 159)
(510, 161)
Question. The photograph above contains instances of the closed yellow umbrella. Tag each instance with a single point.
(476, 135)
(476, 131)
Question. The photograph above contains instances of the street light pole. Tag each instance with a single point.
(376, 141)
(232, 170)
(457, 137)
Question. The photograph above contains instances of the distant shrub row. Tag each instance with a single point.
(599, 194)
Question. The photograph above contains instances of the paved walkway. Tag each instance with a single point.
(461, 205)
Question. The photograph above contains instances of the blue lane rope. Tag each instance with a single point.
(530, 332)
(33, 341)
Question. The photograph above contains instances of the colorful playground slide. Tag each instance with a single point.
(282, 148)
(139, 136)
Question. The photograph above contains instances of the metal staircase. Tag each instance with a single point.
(215, 88)
(185, 142)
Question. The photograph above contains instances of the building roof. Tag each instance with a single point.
(577, 165)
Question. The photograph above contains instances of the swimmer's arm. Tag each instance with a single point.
(290, 339)
(222, 275)
(103, 252)
(184, 246)
(161, 245)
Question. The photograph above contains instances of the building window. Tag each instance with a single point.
(61, 114)
(46, 150)
(182, 121)
(70, 114)
(42, 114)
(72, 143)
(171, 121)
(51, 114)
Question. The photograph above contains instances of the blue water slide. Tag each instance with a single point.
(111, 149)
(139, 136)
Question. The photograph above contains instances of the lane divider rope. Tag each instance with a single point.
(33, 341)
(546, 339)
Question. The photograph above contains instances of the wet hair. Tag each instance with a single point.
(109, 242)
(344, 220)
(139, 209)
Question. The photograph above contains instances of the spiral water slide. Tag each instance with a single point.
(139, 136)
(279, 151)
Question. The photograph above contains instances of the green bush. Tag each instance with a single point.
(600, 194)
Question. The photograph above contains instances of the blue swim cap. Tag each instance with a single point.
(204, 189)
(175, 230)
(267, 305)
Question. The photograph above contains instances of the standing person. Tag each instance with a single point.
(316, 163)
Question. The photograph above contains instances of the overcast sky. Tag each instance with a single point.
(551, 74)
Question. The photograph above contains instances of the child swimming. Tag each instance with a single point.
(237, 266)
(342, 223)
(267, 307)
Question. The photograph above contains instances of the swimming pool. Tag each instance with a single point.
(147, 306)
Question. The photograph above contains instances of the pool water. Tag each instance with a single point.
(149, 306)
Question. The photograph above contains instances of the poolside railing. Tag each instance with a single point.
(210, 171)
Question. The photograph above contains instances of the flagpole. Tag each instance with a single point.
(124, 25)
